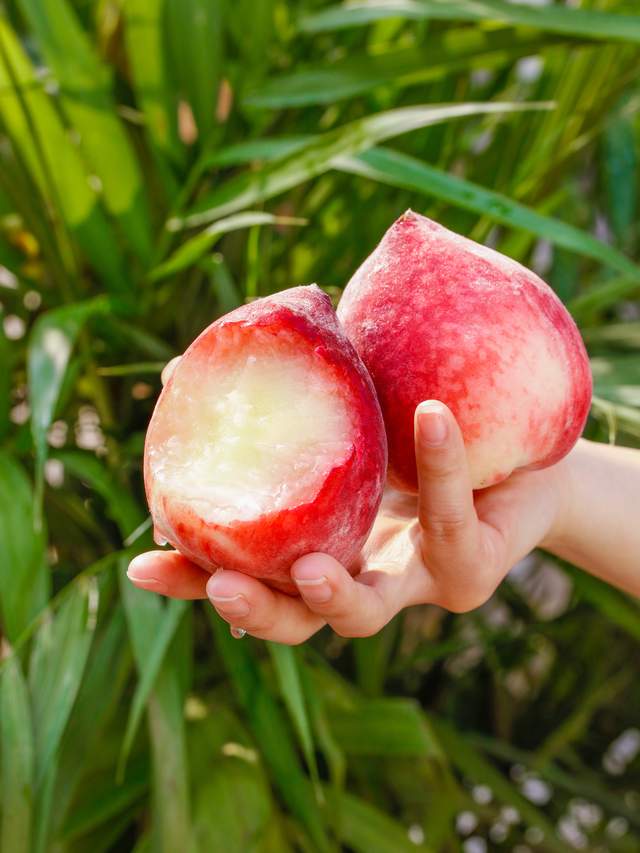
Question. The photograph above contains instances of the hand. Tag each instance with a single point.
(447, 547)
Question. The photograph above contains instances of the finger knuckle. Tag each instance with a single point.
(446, 528)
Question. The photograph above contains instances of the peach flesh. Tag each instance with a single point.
(434, 315)
(237, 435)
(267, 442)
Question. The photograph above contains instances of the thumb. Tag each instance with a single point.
(445, 502)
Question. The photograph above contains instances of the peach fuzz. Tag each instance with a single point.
(267, 442)
(434, 315)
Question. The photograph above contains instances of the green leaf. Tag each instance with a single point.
(35, 129)
(227, 293)
(137, 368)
(384, 727)
(617, 379)
(243, 806)
(617, 416)
(152, 73)
(191, 251)
(566, 732)
(287, 666)
(470, 762)
(194, 36)
(58, 659)
(24, 576)
(99, 698)
(86, 96)
(363, 828)
(318, 155)
(333, 754)
(618, 335)
(253, 41)
(372, 656)
(602, 296)
(121, 506)
(576, 785)
(556, 19)
(461, 49)
(51, 343)
(139, 339)
(16, 760)
(620, 172)
(145, 613)
(612, 603)
(5, 380)
(267, 148)
(106, 802)
(392, 167)
(270, 731)
(153, 662)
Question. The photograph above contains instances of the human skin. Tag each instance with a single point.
(448, 546)
(436, 315)
(267, 442)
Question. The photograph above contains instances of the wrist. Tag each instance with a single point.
(561, 485)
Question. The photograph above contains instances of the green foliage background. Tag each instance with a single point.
(163, 160)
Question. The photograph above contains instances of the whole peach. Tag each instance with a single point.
(434, 315)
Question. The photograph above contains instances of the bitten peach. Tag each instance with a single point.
(434, 315)
(267, 442)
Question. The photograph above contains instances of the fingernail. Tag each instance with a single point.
(315, 590)
(150, 584)
(141, 569)
(231, 605)
(432, 424)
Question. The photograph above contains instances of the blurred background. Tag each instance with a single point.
(161, 161)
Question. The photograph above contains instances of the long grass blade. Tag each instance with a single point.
(85, 92)
(24, 576)
(557, 19)
(58, 659)
(317, 157)
(17, 763)
(50, 346)
(398, 169)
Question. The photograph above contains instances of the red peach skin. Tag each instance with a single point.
(267, 442)
(434, 315)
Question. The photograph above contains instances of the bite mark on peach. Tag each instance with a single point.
(267, 442)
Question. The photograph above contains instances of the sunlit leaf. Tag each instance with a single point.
(194, 39)
(559, 19)
(151, 72)
(85, 90)
(456, 49)
(191, 251)
(35, 128)
(317, 156)
(50, 346)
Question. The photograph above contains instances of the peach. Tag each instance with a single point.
(267, 442)
(434, 315)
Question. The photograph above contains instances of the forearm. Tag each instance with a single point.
(598, 525)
